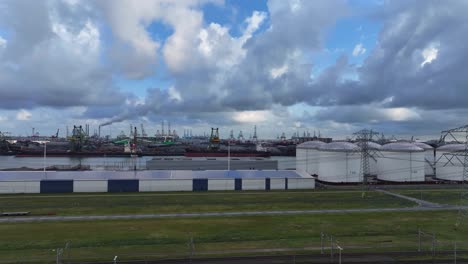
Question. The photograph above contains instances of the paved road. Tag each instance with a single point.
(423, 206)
(224, 214)
(384, 257)
(412, 199)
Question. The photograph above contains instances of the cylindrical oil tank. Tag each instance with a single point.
(449, 167)
(307, 156)
(401, 162)
(339, 162)
(374, 151)
(429, 157)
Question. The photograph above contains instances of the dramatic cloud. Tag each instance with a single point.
(88, 55)
(51, 61)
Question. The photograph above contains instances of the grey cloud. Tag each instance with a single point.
(43, 68)
(393, 69)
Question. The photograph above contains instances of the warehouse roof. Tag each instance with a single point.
(452, 147)
(145, 175)
(401, 147)
(372, 145)
(423, 145)
(311, 145)
(340, 146)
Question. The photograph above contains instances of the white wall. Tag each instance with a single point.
(313, 157)
(301, 159)
(277, 184)
(165, 185)
(221, 184)
(429, 154)
(301, 183)
(339, 166)
(20, 186)
(90, 186)
(253, 184)
(402, 166)
(451, 171)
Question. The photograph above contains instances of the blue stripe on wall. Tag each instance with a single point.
(56, 186)
(200, 185)
(238, 184)
(122, 185)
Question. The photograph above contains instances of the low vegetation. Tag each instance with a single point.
(105, 204)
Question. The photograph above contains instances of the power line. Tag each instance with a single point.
(456, 134)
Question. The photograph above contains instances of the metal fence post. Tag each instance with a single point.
(419, 240)
(321, 242)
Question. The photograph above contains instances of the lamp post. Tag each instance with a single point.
(45, 157)
(339, 256)
(229, 155)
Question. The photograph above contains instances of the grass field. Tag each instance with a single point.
(443, 196)
(159, 238)
(104, 204)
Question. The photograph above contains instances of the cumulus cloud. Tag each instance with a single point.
(68, 53)
(359, 50)
(3, 43)
(23, 115)
(53, 60)
(251, 116)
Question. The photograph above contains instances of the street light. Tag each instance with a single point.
(45, 151)
(339, 256)
(229, 155)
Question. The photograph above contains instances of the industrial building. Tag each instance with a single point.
(151, 181)
(211, 164)
(401, 162)
(449, 167)
(429, 157)
(339, 162)
(307, 156)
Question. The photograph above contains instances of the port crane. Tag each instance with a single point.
(214, 138)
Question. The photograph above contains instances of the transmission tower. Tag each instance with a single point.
(363, 137)
(460, 136)
(240, 136)
(255, 133)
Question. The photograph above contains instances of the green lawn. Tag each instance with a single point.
(443, 196)
(103, 204)
(159, 238)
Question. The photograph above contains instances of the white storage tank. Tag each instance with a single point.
(401, 162)
(446, 168)
(374, 150)
(339, 162)
(307, 156)
(429, 157)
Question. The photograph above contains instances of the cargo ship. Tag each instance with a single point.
(26, 154)
(224, 153)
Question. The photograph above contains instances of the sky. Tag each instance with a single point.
(334, 66)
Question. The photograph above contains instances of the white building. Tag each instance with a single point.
(339, 162)
(449, 167)
(307, 157)
(429, 157)
(401, 162)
